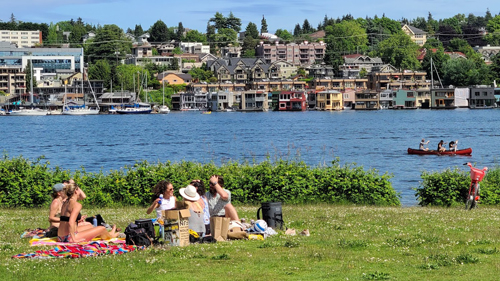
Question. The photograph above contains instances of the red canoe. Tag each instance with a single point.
(467, 151)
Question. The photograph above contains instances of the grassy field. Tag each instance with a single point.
(346, 243)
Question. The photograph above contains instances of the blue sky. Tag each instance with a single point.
(195, 14)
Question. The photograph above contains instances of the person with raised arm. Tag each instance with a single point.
(219, 199)
(70, 212)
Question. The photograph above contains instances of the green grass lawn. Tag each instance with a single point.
(346, 243)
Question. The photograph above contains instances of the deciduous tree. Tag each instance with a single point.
(400, 51)
(463, 72)
(493, 28)
(344, 38)
(101, 70)
(195, 36)
(284, 34)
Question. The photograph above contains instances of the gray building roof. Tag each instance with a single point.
(416, 30)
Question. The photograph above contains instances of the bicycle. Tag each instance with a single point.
(476, 176)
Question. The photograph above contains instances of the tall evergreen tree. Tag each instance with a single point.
(28, 71)
(180, 31)
(159, 32)
(263, 25)
(233, 22)
(306, 27)
(252, 31)
(297, 31)
(138, 31)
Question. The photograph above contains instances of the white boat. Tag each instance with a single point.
(76, 110)
(33, 111)
(164, 109)
(112, 110)
(136, 108)
(28, 112)
(55, 112)
(80, 109)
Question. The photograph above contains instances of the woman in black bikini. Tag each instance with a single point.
(70, 212)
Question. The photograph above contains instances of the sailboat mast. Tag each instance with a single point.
(31, 80)
(432, 77)
(82, 69)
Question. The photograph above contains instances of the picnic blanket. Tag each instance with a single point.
(91, 249)
(51, 241)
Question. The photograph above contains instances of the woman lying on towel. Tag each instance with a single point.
(69, 216)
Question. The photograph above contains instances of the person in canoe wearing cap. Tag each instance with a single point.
(422, 145)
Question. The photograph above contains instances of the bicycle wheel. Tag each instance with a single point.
(470, 198)
(476, 195)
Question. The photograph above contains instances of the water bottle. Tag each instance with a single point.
(161, 199)
(94, 222)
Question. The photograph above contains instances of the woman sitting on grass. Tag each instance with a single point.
(196, 221)
(69, 216)
(166, 189)
(58, 197)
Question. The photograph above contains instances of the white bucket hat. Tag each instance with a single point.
(189, 193)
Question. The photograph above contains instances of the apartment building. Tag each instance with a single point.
(22, 38)
(12, 80)
(303, 54)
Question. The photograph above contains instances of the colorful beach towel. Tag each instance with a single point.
(53, 241)
(33, 233)
(92, 249)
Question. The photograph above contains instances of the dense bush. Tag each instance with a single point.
(27, 183)
(450, 187)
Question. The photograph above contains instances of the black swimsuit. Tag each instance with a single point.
(65, 218)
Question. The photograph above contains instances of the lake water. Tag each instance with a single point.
(373, 139)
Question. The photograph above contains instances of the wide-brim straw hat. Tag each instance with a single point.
(189, 193)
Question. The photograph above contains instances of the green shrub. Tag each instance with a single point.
(27, 183)
(450, 187)
(490, 191)
(443, 188)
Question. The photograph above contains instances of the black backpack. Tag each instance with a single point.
(148, 226)
(137, 236)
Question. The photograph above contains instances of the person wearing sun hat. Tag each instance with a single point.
(196, 221)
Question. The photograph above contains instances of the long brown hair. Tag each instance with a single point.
(160, 188)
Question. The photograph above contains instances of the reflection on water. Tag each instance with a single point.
(374, 139)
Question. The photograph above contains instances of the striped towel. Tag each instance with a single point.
(52, 241)
(91, 249)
